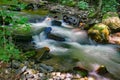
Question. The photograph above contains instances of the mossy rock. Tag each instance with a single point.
(99, 32)
(112, 21)
(41, 53)
(110, 14)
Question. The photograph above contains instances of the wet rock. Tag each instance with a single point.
(35, 19)
(22, 33)
(55, 37)
(114, 38)
(49, 35)
(83, 72)
(102, 70)
(56, 23)
(42, 54)
(112, 20)
(22, 38)
(99, 33)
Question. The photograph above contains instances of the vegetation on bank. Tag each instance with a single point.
(8, 24)
(94, 7)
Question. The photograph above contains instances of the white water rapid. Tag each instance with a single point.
(79, 46)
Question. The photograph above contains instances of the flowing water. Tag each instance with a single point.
(76, 45)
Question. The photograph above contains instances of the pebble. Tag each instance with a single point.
(91, 78)
(32, 74)
(67, 79)
(77, 76)
(53, 73)
(62, 76)
(58, 74)
(68, 75)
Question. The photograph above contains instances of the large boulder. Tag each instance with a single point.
(99, 32)
(112, 20)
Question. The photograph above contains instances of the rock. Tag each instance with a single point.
(67, 79)
(112, 20)
(56, 9)
(68, 75)
(15, 64)
(49, 35)
(77, 76)
(22, 38)
(32, 6)
(91, 78)
(56, 23)
(55, 37)
(42, 54)
(24, 69)
(35, 4)
(47, 68)
(99, 32)
(83, 72)
(58, 74)
(114, 38)
(102, 70)
(72, 20)
(62, 76)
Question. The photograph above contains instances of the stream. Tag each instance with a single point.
(68, 47)
(65, 40)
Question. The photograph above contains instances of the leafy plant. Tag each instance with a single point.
(109, 6)
(83, 5)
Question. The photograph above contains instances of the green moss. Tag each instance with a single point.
(110, 14)
(39, 12)
(22, 31)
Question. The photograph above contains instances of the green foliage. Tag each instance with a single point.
(14, 3)
(91, 12)
(109, 5)
(68, 2)
(83, 5)
(8, 50)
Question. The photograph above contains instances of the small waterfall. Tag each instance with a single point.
(77, 46)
